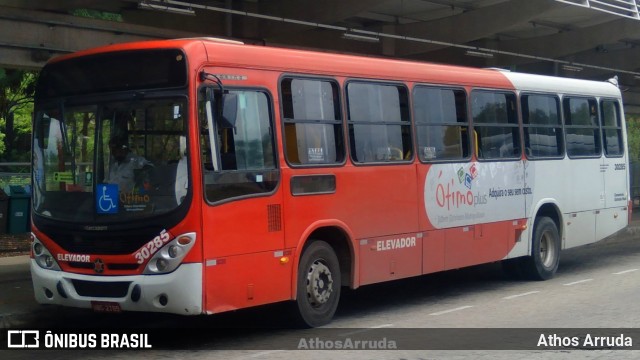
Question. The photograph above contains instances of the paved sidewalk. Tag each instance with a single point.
(14, 260)
(14, 268)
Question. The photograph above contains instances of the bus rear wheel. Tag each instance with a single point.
(545, 250)
(318, 284)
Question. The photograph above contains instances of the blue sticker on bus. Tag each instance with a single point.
(107, 199)
(468, 180)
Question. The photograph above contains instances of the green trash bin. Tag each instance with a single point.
(4, 211)
(18, 210)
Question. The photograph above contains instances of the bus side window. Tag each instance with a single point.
(245, 152)
(312, 121)
(581, 127)
(496, 123)
(441, 123)
(542, 126)
(611, 128)
(379, 122)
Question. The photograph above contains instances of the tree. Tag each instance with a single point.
(633, 137)
(17, 89)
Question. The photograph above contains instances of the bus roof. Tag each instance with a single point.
(225, 53)
(542, 83)
(355, 66)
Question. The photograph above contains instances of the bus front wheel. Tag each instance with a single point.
(545, 250)
(318, 284)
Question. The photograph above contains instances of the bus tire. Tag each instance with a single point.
(318, 284)
(545, 250)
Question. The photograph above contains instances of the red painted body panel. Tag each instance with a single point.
(241, 281)
(433, 251)
(372, 201)
(306, 62)
(240, 227)
(390, 257)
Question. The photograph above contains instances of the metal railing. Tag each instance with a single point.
(15, 174)
(626, 8)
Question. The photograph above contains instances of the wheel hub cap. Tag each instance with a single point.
(319, 283)
(547, 252)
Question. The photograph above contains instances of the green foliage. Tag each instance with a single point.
(17, 89)
(633, 137)
(15, 180)
(3, 147)
(95, 14)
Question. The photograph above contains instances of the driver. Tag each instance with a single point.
(123, 165)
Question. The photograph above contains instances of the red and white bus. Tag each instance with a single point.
(258, 175)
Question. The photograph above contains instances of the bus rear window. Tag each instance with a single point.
(119, 71)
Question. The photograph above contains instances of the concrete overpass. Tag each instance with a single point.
(592, 39)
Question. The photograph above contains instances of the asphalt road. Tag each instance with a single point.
(597, 286)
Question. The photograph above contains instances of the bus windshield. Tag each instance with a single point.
(114, 161)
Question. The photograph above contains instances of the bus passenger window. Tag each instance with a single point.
(441, 123)
(543, 136)
(611, 128)
(495, 121)
(581, 127)
(312, 122)
(379, 124)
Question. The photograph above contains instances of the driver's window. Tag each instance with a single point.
(240, 159)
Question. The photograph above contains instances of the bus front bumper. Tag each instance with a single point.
(178, 292)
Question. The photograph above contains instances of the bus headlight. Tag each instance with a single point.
(43, 257)
(170, 256)
(173, 251)
(162, 264)
(38, 249)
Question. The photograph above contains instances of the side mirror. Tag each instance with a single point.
(229, 111)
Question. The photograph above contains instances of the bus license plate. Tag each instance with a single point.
(105, 306)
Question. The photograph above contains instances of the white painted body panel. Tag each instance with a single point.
(182, 287)
(590, 193)
(472, 193)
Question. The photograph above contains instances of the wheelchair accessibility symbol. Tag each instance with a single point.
(107, 199)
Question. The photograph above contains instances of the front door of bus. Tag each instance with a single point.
(242, 216)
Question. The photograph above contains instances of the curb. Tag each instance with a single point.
(14, 260)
